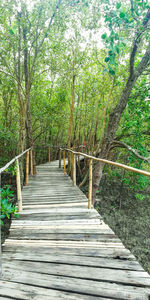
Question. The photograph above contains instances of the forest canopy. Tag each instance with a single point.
(75, 71)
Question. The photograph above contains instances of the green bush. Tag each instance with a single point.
(7, 207)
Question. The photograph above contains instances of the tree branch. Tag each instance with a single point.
(143, 63)
(137, 41)
(119, 137)
(8, 74)
(45, 34)
(129, 148)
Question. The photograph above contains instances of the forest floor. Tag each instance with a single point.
(128, 217)
(5, 230)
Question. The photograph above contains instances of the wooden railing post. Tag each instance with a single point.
(64, 158)
(19, 195)
(69, 162)
(59, 158)
(90, 184)
(74, 168)
(27, 169)
(34, 162)
(31, 163)
(49, 154)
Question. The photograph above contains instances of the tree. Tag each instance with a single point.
(137, 65)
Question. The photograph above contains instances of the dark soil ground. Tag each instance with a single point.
(128, 217)
(5, 230)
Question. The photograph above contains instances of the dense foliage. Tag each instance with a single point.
(7, 207)
(64, 66)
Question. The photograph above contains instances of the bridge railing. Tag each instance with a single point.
(29, 160)
(91, 159)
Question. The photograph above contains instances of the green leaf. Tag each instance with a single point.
(110, 53)
(116, 36)
(111, 71)
(14, 29)
(103, 36)
(107, 59)
(122, 15)
(117, 49)
(11, 31)
(118, 5)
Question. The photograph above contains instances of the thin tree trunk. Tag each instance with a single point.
(71, 112)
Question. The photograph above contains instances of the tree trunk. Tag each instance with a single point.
(30, 133)
(71, 112)
(110, 133)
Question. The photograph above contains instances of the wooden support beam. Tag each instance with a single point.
(27, 169)
(74, 168)
(90, 184)
(64, 158)
(18, 181)
(60, 158)
(31, 163)
(49, 154)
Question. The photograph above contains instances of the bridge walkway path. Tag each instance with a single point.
(59, 249)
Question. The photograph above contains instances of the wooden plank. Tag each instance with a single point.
(37, 217)
(75, 204)
(65, 237)
(116, 253)
(76, 260)
(26, 292)
(61, 210)
(57, 230)
(57, 222)
(135, 278)
(59, 243)
(77, 285)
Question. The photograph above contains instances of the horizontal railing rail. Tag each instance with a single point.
(29, 154)
(91, 159)
(13, 160)
(109, 162)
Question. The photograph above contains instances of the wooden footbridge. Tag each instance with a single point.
(60, 249)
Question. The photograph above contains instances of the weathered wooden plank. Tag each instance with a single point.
(56, 222)
(116, 253)
(48, 235)
(47, 216)
(75, 260)
(59, 243)
(26, 292)
(65, 237)
(61, 210)
(48, 205)
(52, 201)
(65, 230)
(137, 278)
(77, 285)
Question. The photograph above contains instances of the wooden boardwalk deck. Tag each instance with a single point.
(59, 249)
